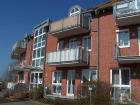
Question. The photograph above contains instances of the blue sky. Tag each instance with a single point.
(17, 17)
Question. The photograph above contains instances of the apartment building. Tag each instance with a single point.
(105, 44)
(20, 52)
(38, 54)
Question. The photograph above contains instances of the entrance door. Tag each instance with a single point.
(70, 82)
(139, 39)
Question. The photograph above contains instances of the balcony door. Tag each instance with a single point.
(70, 82)
(72, 43)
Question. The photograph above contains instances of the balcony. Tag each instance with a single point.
(69, 26)
(16, 68)
(127, 12)
(126, 55)
(18, 48)
(69, 57)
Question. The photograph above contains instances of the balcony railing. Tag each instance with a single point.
(126, 55)
(69, 56)
(71, 25)
(16, 67)
(127, 11)
(18, 48)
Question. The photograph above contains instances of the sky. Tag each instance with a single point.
(18, 17)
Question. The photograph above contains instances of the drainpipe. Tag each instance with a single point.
(43, 75)
(98, 40)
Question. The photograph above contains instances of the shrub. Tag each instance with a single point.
(37, 93)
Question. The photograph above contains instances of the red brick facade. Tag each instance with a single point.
(103, 32)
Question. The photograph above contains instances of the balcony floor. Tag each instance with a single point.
(69, 32)
(128, 59)
(128, 20)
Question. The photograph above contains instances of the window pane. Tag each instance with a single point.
(35, 41)
(39, 39)
(32, 77)
(61, 45)
(43, 43)
(40, 31)
(85, 75)
(34, 54)
(37, 62)
(39, 45)
(42, 51)
(38, 53)
(123, 38)
(33, 63)
(44, 37)
(36, 33)
(42, 61)
(93, 76)
(89, 43)
(125, 77)
(115, 77)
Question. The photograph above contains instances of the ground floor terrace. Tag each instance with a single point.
(65, 82)
(124, 80)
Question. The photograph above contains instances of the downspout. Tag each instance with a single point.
(98, 41)
(45, 55)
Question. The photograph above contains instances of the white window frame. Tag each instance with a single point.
(75, 12)
(90, 73)
(42, 46)
(87, 42)
(120, 85)
(57, 84)
(39, 82)
(117, 38)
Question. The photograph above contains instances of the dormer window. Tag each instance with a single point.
(75, 10)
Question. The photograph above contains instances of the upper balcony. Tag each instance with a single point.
(68, 57)
(69, 26)
(126, 55)
(18, 48)
(127, 12)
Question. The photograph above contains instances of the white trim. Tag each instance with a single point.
(120, 85)
(57, 84)
(70, 71)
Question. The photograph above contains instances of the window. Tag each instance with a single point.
(38, 53)
(89, 75)
(34, 53)
(38, 50)
(61, 45)
(36, 33)
(87, 42)
(74, 11)
(120, 79)
(42, 61)
(42, 51)
(56, 82)
(33, 63)
(123, 38)
(73, 43)
(21, 76)
(40, 31)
